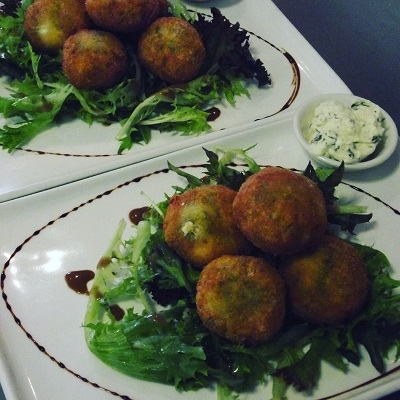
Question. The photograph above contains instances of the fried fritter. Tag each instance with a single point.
(94, 59)
(48, 23)
(123, 16)
(172, 50)
(199, 225)
(280, 211)
(327, 284)
(241, 298)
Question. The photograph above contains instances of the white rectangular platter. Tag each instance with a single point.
(48, 234)
(73, 150)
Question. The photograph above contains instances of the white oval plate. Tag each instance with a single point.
(46, 235)
(73, 150)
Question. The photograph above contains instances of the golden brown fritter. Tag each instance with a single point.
(327, 284)
(94, 59)
(241, 298)
(48, 23)
(172, 50)
(123, 15)
(280, 211)
(199, 225)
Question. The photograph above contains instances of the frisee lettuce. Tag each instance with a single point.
(40, 94)
(161, 338)
(175, 108)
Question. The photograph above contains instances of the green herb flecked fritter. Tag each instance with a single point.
(326, 284)
(280, 211)
(241, 298)
(172, 49)
(94, 59)
(199, 225)
(48, 23)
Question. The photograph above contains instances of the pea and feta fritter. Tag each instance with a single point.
(326, 284)
(200, 227)
(123, 16)
(48, 23)
(172, 49)
(94, 59)
(280, 211)
(241, 298)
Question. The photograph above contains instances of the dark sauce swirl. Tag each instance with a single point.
(78, 280)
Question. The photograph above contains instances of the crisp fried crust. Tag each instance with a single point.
(171, 49)
(327, 284)
(49, 23)
(123, 15)
(199, 225)
(280, 211)
(94, 59)
(241, 298)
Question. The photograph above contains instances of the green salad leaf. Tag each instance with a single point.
(175, 108)
(228, 49)
(159, 336)
(345, 216)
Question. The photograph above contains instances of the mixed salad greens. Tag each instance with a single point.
(41, 94)
(141, 317)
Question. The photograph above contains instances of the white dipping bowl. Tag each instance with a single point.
(305, 114)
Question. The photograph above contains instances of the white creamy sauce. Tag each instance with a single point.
(346, 133)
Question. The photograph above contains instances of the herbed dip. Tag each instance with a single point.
(346, 133)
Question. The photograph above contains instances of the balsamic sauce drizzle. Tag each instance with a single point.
(78, 280)
(60, 364)
(54, 153)
(136, 215)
